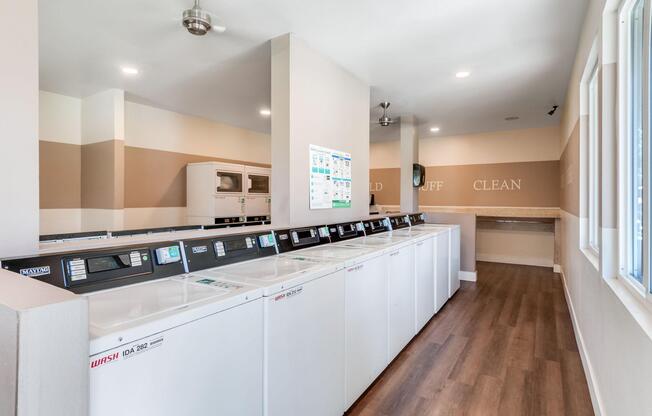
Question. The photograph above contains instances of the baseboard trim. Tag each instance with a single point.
(526, 261)
(469, 276)
(596, 399)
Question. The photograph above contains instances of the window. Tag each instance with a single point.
(593, 161)
(590, 157)
(635, 168)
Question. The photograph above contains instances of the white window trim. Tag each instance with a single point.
(640, 291)
(592, 66)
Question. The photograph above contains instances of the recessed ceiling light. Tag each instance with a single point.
(265, 112)
(511, 118)
(129, 70)
(434, 129)
(463, 74)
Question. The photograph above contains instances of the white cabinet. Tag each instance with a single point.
(424, 264)
(366, 332)
(400, 267)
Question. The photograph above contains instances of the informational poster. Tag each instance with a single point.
(330, 178)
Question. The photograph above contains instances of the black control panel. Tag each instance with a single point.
(418, 218)
(141, 231)
(399, 221)
(82, 272)
(258, 218)
(379, 225)
(298, 238)
(206, 253)
(229, 220)
(345, 231)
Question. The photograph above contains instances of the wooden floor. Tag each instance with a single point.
(503, 346)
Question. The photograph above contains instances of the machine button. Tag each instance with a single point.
(78, 277)
(77, 267)
(78, 272)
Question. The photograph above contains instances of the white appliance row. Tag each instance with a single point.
(223, 193)
(227, 326)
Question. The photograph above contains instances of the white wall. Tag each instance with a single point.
(59, 118)
(154, 128)
(145, 126)
(524, 246)
(525, 145)
(314, 101)
(613, 327)
(19, 158)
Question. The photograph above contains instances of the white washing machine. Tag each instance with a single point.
(454, 249)
(425, 267)
(172, 347)
(398, 253)
(365, 313)
(160, 344)
(303, 331)
(436, 249)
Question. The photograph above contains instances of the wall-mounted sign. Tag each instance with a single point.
(330, 178)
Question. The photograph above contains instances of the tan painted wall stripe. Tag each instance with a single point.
(101, 175)
(157, 178)
(522, 184)
(570, 173)
(59, 175)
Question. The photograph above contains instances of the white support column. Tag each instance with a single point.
(315, 102)
(19, 159)
(409, 156)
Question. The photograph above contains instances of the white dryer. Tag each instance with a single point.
(215, 193)
(303, 331)
(257, 193)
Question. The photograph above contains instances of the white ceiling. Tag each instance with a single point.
(519, 52)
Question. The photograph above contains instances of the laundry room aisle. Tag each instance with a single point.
(503, 346)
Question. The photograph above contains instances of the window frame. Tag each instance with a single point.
(590, 160)
(624, 149)
(593, 160)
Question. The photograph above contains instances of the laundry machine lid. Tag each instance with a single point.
(273, 273)
(339, 251)
(128, 304)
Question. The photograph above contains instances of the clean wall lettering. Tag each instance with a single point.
(497, 185)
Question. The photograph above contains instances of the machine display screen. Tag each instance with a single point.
(167, 255)
(102, 264)
(305, 234)
(234, 245)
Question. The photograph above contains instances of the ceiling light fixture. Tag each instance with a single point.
(434, 129)
(462, 74)
(129, 70)
(265, 112)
